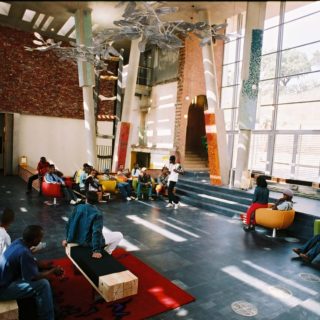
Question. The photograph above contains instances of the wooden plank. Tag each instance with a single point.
(9, 310)
(113, 286)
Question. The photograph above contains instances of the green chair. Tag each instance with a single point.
(316, 227)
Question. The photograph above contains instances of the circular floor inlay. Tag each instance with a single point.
(291, 239)
(280, 291)
(309, 277)
(244, 308)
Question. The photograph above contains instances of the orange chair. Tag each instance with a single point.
(52, 190)
(274, 219)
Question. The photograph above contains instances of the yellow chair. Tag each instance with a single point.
(274, 219)
(108, 186)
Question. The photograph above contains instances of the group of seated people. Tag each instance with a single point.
(137, 181)
(22, 276)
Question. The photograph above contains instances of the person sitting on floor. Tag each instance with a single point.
(124, 186)
(6, 219)
(51, 177)
(285, 203)
(162, 181)
(260, 200)
(42, 169)
(144, 181)
(85, 227)
(21, 276)
(310, 251)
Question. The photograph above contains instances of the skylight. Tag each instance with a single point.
(47, 23)
(38, 21)
(4, 8)
(28, 15)
(66, 27)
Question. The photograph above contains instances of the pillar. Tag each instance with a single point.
(214, 119)
(86, 81)
(249, 90)
(122, 150)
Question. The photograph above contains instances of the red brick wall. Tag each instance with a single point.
(37, 83)
(191, 83)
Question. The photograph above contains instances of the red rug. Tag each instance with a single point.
(75, 298)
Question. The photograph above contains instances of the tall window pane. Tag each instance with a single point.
(229, 52)
(268, 66)
(297, 9)
(264, 118)
(265, 95)
(283, 156)
(226, 97)
(270, 40)
(301, 116)
(259, 147)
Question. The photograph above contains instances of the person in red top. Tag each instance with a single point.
(42, 169)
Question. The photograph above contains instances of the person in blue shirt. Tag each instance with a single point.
(20, 275)
(52, 177)
(85, 227)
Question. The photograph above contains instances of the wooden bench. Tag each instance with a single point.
(106, 275)
(9, 310)
(25, 172)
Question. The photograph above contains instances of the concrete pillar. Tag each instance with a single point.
(86, 81)
(249, 91)
(219, 162)
(122, 140)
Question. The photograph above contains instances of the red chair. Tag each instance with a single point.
(52, 190)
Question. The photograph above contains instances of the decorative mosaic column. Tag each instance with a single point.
(249, 91)
(214, 120)
(86, 81)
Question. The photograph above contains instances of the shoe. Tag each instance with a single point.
(297, 251)
(246, 228)
(169, 205)
(252, 227)
(73, 202)
(129, 199)
(133, 198)
(151, 198)
(176, 206)
(78, 200)
(305, 257)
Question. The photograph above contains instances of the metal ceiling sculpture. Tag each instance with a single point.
(140, 20)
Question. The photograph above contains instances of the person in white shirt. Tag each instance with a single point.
(174, 170)
(285, 203)
(7, 217)
(135, 172)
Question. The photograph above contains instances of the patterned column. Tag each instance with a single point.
(249, 90)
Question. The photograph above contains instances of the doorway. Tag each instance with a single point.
(196, 131)
(6, 143)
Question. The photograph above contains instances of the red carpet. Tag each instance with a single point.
(156, 294)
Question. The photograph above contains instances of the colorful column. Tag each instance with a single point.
(214, 119)
(249, 91)
(86, 81)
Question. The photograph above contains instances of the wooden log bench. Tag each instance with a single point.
(25, 172)
(106, 275)
(9, 310)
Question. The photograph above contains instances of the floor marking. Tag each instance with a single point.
(178, 228)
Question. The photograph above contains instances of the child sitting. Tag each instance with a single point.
(6, 219)
(285, 203)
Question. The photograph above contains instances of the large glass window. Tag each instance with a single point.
(286, 138)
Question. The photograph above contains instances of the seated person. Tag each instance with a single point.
(145, 181)
(42, 169)
(20, 275)
(52, 177)
(77, 176)
(135, 172)
(82, 179)
(124, 186)
(162, 181)
(92, 183)
(6, 219)
(310, 251)
(285, 203)
(85, 228)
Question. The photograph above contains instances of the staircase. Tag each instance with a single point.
(194, 161)
(195, 189)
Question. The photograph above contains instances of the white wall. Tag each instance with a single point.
(60, 140)
(160, 119)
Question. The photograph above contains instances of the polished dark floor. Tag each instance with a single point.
(208, 255)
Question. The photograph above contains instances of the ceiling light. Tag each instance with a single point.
(47, 23)
(28, 15)
(52, 29)
(38, 21)
(4, 8)
(67, 27)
